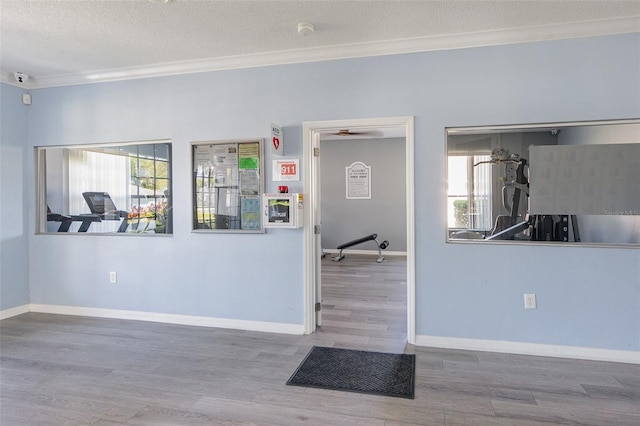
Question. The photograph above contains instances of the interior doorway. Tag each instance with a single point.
(312, 135)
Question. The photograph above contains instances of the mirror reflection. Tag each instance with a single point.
(575, 183)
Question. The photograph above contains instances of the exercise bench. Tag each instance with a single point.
(373, 237)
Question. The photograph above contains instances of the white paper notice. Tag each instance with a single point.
(358, 177)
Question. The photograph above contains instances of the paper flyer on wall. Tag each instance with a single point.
(225, 176)
(250, 212)
(248, 155)
(225, 155)
(227, 201)
(249, 182)
(202, 156)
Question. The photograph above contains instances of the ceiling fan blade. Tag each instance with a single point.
(347, 132)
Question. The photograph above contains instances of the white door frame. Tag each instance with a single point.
(311, 139)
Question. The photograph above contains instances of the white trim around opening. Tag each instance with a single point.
(310, 138)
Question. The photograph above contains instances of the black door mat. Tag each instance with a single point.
(357, 371)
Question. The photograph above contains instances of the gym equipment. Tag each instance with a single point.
(538, 227)
(373, 237)
(515, 179)
(101, 205)
(508, 234)
(65, 221)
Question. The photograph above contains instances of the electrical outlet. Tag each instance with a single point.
(529, 301)
(113, 277)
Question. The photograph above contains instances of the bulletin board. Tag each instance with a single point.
(227, 185)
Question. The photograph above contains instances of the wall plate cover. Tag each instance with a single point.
(529, 301)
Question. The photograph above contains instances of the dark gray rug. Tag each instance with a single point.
(357, 371)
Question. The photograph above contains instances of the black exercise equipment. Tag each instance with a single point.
(373, 237)
(86, 219)
(540, 227)
(507, 234)
(102, 206)
(65, 221)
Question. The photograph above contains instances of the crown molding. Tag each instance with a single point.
(357, 50)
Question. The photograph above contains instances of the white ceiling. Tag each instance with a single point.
(58, 42)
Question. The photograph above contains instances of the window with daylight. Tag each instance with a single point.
(469, 192)
(120, 188)
(545, 183)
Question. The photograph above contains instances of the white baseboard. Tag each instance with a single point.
(535, 349)
(520, 348)
(12, 312)
(266, 327)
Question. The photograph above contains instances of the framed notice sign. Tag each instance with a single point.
(227, 185)
(358, 177)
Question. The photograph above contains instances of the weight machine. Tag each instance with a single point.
(534, 227)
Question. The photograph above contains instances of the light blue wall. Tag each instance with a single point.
(14, 242)
(586, 296)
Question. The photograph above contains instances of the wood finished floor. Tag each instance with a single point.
(66, 370)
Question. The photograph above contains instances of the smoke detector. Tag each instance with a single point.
(305, 29)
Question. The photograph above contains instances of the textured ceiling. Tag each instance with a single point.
(49, 38)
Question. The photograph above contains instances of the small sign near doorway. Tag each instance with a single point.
(286, 170)
(277, 142)
(358, 176)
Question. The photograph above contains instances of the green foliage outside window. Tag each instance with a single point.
(461, 213)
